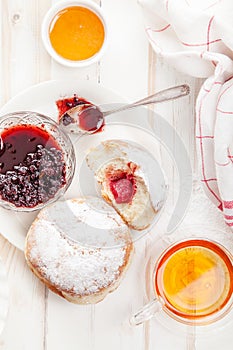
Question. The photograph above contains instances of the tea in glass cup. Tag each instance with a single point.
(193, 283)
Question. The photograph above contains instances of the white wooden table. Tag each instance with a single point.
(37, 318)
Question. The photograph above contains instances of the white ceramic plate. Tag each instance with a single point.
(132, 126)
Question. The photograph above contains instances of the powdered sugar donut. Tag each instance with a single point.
(122, 183)
(80, 248)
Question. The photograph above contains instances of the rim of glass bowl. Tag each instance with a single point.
(35, 119)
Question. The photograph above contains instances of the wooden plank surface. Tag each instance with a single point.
(38, 319)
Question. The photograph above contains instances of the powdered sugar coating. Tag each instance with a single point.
(69, 266)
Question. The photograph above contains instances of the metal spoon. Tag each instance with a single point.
(88, 118)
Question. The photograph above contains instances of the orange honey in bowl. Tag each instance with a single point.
(76, 33)
(195, 279)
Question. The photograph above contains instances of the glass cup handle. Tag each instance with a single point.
(146, 312)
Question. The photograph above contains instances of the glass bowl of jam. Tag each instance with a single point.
(37, 161)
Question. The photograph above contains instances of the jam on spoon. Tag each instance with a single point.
(90, 120)
(85, 117)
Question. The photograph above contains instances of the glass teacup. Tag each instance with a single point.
(192, 283)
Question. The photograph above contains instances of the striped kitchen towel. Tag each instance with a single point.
(196, 37)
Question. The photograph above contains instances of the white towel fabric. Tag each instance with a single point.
(196, 37)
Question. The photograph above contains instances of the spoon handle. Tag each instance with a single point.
(161, 96)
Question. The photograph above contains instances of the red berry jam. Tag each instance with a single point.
(122, 190)
(122, 184)
(91, 119)
(32, 168)
(65, 104)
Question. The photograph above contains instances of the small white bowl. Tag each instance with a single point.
(50, 16)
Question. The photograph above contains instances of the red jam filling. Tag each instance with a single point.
(32, 168)
(122, 190)
(122, 185)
